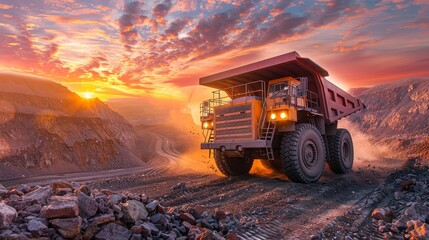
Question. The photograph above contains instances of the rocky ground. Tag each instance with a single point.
(397, 209)
(75, 211)
(158, 205)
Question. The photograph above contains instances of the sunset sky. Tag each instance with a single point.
(119, 49)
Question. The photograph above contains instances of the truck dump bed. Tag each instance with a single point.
(334, 103)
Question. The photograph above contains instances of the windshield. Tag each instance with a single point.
(279, 90)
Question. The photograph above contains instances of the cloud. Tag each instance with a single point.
(161, 10)
(158, 46)
(176, 26)
(132, 16)
(72, 20)
(5, 6)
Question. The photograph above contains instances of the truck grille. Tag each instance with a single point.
(233, 122)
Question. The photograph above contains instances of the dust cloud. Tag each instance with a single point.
(369, 152)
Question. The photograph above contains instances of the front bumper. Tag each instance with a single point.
(231, 145)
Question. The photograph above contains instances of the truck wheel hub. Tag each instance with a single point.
(309, 154)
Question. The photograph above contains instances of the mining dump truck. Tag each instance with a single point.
(282, 111)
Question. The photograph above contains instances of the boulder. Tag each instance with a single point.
(62, 207)
(134, 210)
(87, 206)
(67, 227)
(40, 195)
(36, 227)
(113, 231)
(8, 214)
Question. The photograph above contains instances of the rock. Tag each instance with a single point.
(35, 208)
(102, 207)
(62, 207)
(115, 199)
(401, 224)
(134, 210)
(62, 191)
(420, 232)
(231, 236)
(188, 218)
(382, 229)
(40, 195)
(205, 235)
(138, 237)
(398, 195)
(152, 205)
(84, 189)
(219, 215)
(36, 227)
(382, 214)
(179, 186)
(8, 214)
(160, 209)
(67, 227)
(159, 219)
(149, 229)
(113, 231)
(87, 206)
(61, 184)
(407, 184)
(187, 225)
(105, 218)
(137, 229)
(417, 211)
(90, 232)
(197, 211)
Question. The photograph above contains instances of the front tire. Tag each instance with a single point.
(341, 152)
(233, 166)
(302, 154)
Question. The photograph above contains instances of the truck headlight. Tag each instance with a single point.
(273, 116)
(283, 115)
(205, 124)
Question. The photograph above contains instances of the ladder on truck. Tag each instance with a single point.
(209, 137)
(267, 129)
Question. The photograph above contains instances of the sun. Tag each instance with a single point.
(88, 95)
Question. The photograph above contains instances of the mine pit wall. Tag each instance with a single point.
(62, 134)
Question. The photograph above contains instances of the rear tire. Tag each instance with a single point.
(341, 152)
(274, 165)
(302, 154)
(233, 166)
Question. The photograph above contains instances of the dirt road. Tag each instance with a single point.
(270, 206)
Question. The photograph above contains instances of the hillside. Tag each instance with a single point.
(45, 128)
(398, 114)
